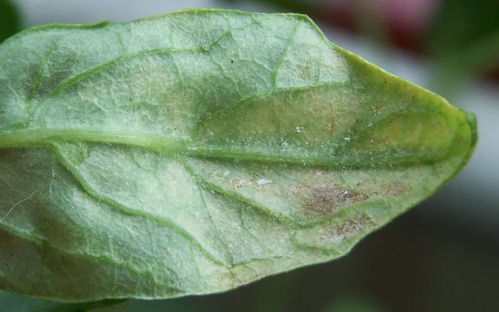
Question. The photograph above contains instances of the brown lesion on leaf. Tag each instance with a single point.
(325, 199)
(397, 189)
(392, 189)
(352, 227)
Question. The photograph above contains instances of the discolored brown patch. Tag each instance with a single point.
(396, 189)
(349, 228)
(323, 200)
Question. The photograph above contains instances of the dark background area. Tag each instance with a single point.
(442, 255)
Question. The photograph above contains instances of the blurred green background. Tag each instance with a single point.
(440, 256)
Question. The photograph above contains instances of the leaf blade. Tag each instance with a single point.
(204, 150)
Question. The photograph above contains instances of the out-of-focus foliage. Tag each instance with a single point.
(464, 40)
(352, 303)
(461, 23)
(14, 303)
(9, 20)
(176, 305)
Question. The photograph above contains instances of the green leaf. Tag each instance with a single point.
(9, 20)
(13, 303)
(470, 29)
(198, 151)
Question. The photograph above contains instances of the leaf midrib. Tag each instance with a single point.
(188, 148)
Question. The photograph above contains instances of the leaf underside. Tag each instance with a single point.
(197, 151)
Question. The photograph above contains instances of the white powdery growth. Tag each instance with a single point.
(263, 181)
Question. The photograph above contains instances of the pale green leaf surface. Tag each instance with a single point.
(197, 151)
